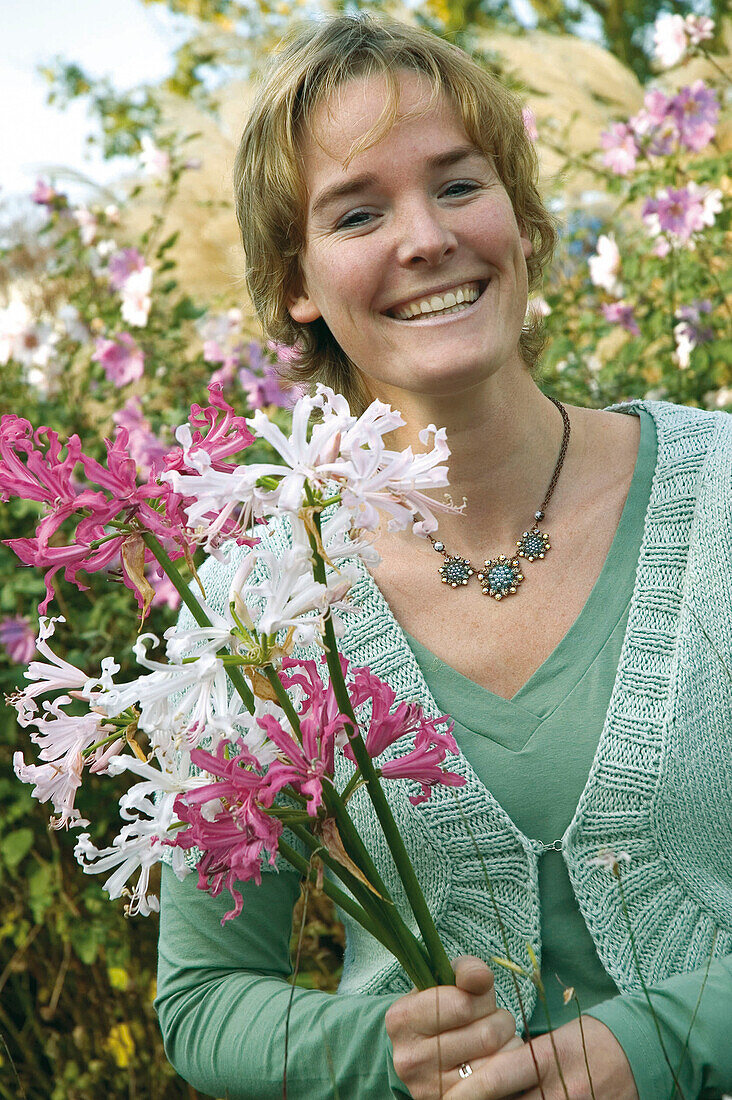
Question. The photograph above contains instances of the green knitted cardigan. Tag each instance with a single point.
(660, 786)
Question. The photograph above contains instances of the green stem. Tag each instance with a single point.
(626, 914)
(504, 938)
(235, 675)
(694, 1013)
(441, 965)
(284, 700)
(367, 920)
(584, 1046)
(536, 977)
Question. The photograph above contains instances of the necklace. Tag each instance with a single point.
(502, 576)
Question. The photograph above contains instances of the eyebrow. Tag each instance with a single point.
(359, 183)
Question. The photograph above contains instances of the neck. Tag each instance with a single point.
(504, 444)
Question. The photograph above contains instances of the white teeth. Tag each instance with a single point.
(449, 302)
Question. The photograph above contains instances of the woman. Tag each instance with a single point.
(386, 193)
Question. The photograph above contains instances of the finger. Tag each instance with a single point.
(506, 1074)
(478, 1040)
(433, 1011)
(472, 975)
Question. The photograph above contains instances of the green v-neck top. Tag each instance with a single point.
(534, 751)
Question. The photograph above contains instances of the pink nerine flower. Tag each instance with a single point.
(423, 764)
(122, 359)
(227, 821)
(18, 639)
(225, 435)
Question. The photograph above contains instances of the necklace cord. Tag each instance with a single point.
(501, 576)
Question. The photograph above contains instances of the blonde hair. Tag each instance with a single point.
(270, 192)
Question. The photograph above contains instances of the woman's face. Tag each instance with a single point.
(420, 217)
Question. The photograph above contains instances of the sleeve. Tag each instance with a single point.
(704, 1066)
(223, 996)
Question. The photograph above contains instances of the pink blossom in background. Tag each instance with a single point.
(145, 447)
(283, 352)
(18, 639)
(696, 110)
(670, 39)
(679, 212)
(166, 594)
(530, 123)
(654, 126)
(699, 28)
(620, 313)
(621, 150)
(43, 193)
(87, 224)
(155, 161)
(222, 343)
(123, 361)
(136, 297)
(122, 264)
(264, 389)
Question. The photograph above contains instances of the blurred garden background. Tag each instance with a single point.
(122, 298)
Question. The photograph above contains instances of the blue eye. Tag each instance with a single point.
(350, 222)
(464, 186)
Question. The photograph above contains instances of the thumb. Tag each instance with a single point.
(472, 975)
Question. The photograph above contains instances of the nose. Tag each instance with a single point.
(425, 236)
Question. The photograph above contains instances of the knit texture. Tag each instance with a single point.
(660, 784)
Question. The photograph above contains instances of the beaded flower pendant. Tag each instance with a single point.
(500, 577)
(455, 571)
(533, 544)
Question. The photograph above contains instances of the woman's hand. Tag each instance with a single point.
(434, 1032)
(512, 1073)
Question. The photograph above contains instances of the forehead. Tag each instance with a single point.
(343, 119)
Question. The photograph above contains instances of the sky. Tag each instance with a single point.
(121, 39)
(127, 41)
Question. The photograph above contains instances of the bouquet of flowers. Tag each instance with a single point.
(230, 742)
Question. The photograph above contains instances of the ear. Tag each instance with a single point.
(302, 308)
(526, 244)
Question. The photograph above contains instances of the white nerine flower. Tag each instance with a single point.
(173, 697)
(339, 452)
(55, 674)
(608, 859)
(62, 739)
(290, 592)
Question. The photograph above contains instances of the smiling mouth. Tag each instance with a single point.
(456, 300)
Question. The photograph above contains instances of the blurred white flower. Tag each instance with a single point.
(155, 161)
(136, 299)
(605, 265)
(669, 39)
